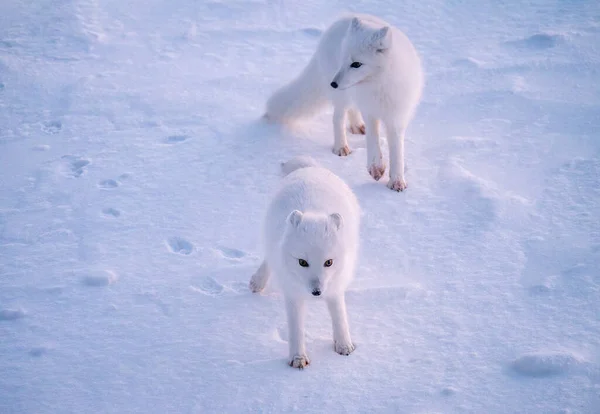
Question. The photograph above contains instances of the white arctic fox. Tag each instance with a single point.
(311, 241)
(363, 66)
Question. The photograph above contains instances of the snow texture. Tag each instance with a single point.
(135, 170)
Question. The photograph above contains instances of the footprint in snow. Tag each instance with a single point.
(38, 351)
(75, 166)
(176, 139)
(180, 245)
(539, 41)
(207, 285)
(108, 184)
(51, 127)
(312, 31)
(230, 253)
(11, 314)
(448, 391)
(99, 278)
(112, 212)
(546, 364)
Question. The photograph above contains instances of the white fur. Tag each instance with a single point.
(386, 88)
(313, 216)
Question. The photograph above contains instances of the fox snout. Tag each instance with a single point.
(335, 82)
(316, 288)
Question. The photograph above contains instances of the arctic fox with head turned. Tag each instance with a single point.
(369, 70)
(310, 235)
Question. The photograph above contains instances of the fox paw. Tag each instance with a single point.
(357, 129)
(343, 348)
(299, 361)
(396, 184)
(343, 151)
(376, 171)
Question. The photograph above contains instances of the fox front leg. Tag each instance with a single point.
(297, 349)
(342, 342)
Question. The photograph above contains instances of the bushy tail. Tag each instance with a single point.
(301, 161)
(300, 98)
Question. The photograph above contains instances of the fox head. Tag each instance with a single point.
(313, 249)
(364, 54)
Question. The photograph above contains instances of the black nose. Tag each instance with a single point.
(316, 292)
(334, 85)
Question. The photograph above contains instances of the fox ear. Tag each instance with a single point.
(355, 24)
(337, 220)
(381, 39)
(295, 218)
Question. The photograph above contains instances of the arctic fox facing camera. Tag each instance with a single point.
(310, 236)
(369, 70)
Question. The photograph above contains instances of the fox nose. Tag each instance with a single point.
(334, 85)
(316, 292)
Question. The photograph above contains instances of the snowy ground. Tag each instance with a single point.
(134, 173)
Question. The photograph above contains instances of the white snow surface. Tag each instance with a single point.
(135, 170)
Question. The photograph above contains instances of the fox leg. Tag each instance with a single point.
(340, 143)
(295, 317)
(356, 123)
(375, 163)
(342, 342)
(396, 143)
(260, 278)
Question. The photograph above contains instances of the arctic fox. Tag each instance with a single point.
(369, 70)
(310, 237)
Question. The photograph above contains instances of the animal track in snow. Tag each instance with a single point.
(108, 184)
(538, 41)
(52, 127)
(539, 289)
(176, 139)
(207, 285)
(109, 211)
(75, 165)
(448, 391)
(179, 245)
(230, 253)
(11, 314)
(312, 31)
(38, 351)
(99, 278)
(545, 364)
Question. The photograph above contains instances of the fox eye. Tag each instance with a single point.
(328, 263)
(302, 262)
(356, 65)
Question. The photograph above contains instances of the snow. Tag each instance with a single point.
(134, 172)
